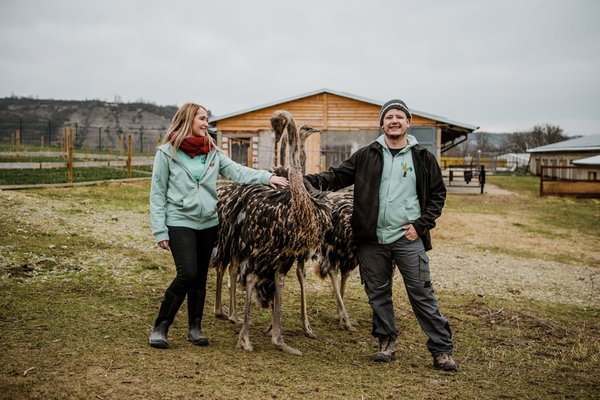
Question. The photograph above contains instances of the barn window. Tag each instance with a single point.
(425, 135)
(240, 150)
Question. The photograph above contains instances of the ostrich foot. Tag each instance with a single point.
(244, 343)
(220, 314)
(308, 332)
(287, 349)
(347, 326)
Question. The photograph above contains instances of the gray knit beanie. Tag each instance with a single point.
(398, 104)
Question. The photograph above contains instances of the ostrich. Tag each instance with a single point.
(266, 229)
(226, 195)
(338, 255)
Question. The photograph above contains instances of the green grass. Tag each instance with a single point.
(547, 212)
(59, 175)
(6, 147)
(77, 307)
(58, 157)
(517, 183)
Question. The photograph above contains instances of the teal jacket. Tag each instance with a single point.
(178, 199)
(398, 200)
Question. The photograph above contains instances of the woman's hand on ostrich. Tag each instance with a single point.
(275, 181)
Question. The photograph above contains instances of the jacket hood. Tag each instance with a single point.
(412, 141)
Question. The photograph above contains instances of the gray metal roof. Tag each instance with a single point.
(351, 96)
(584, 143)
(595, 160)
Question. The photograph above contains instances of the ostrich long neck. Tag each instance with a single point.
(288, 156)
(294, 146)
(302, 210)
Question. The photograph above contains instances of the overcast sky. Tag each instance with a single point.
(504, 66)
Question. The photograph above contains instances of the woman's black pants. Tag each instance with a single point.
(191, 250)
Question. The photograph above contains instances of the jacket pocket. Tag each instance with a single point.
(191, 203)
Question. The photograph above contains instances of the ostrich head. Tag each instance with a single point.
(286, 133)
(285, 130)
(305, 132)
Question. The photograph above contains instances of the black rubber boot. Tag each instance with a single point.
(195, 334)
(158, 337)
(195, 311)
(168, 309)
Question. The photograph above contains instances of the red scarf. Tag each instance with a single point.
(195, 145)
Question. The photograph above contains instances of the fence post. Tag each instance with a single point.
(541, 180)
(70, 140)
(129, 157)
(18, 140)
(42, 143)
(65, 141)
(121, 145)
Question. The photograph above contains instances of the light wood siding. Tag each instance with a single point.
(325, 111)
(313, 153)
(353, 123)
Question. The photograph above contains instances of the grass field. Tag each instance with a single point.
(81, 281)
(59, 175)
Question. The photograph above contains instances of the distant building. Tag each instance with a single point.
(568, 153)
(512, 161)
(347, 122)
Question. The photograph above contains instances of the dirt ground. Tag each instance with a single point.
(479, 259)
(459, 245)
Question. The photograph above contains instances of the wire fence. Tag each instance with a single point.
(46, 133)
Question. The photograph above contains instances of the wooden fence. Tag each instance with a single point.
(568, 181)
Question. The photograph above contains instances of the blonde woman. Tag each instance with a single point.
(183, 213)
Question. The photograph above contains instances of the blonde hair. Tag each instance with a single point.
(181, 126)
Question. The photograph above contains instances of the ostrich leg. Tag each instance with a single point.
(301, 274)
(341, 308)
(233, 272)
(219, 294)
(244, 336)
(276, 336)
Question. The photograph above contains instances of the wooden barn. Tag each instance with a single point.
(347, 122)
(566, 154)
(568, 168)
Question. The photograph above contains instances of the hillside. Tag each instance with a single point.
(98, 124)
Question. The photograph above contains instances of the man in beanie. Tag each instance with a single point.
(398, 194)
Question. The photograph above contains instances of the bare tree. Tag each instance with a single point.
(483, 141)
(538, 136)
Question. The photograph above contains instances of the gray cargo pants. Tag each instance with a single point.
(376, 272)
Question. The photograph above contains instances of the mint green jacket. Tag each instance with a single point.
(177, 199)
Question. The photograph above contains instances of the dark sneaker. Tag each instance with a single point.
(387, 350)
(444, 362)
